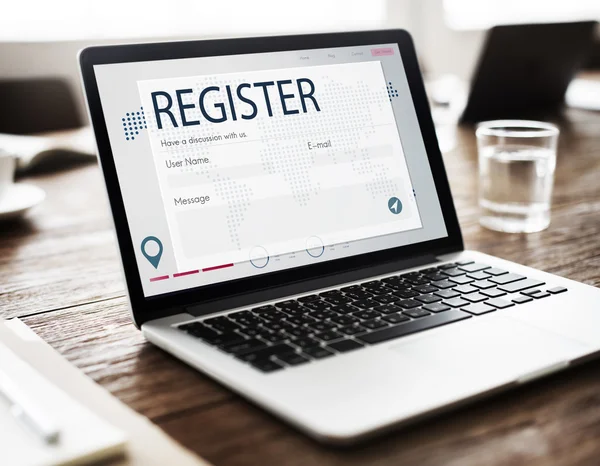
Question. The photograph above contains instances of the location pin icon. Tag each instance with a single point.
(154, 260)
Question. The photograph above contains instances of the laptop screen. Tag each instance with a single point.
(240, 165)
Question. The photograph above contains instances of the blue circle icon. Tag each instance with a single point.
(395, 205)
(315, 247)
(259, 257)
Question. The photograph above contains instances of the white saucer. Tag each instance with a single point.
(18, 199)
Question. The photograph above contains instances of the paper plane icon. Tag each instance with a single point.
(394, 205)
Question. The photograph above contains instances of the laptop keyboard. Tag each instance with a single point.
(296, 331)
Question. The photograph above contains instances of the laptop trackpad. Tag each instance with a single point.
(491, 349)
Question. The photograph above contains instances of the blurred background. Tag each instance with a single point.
(40, 38)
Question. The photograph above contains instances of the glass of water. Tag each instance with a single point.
(517, 159)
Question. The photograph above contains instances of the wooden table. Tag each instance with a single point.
(60, 273)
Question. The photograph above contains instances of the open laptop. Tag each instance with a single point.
(524, 69)
(286, 227)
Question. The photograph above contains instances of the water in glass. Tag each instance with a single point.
(516, 187)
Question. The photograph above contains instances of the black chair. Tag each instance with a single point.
(37, 105)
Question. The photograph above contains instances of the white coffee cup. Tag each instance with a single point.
(8, 164)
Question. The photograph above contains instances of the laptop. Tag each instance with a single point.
(286, 227)
(524, 69)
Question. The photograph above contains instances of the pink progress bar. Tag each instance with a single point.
(216, 267)
(183, 274)
(156, 279)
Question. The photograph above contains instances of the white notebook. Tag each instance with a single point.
(83, 437)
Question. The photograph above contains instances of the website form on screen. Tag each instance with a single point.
(239, 165)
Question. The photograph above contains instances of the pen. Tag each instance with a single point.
(27, 413)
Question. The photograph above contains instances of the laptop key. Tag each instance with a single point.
(306, 342)
(406, 294)
(557, 289)
(414, 326)
(266, 365)
(322, 326)
(506, 278)
(398, 286)
(273, 337)
(481, 275)
(495, 271)
(456, 302)
(454, 272)
(347, 289)
(345, 345)
(344, 320)
(493, 292)
(484, 284)
(388, 309)
(322, 315)
(416, 313)
(302, 320)
(292, 359)
(461, 280)
(522, 299)
(447, 266)
(244, 346)
(475, 297)
(338, 300)
(204, 333)
(436, 307)
(265, 308)
(408, 303)
(317, 352)
(464, 262)
(385, 299)
(474, 267)
(437, 276)
(366, 315)
(374, 324)
(543, 294)
(531, 292)
(417, 280)
(226, 339)
(299, 332)
(365, 303)
(273, 315)
(345, 309)
(447, 294)
(317, 305)
(329, 335)
(478, 308)
(249, 331)
(428, 298)
(288, 304)
(265, 353)
(360, 294)
(499, 303)
(443, 284)
(352, 330)
(309, 298)
(395, 318)
(331, 294)
(425, 289)
(520, 285)
(241, 315)
(464, 289)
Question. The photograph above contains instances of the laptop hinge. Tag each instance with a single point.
(306, 286)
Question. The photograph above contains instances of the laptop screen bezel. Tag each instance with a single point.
(147, 308)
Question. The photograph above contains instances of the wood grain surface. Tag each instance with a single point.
(59, 271)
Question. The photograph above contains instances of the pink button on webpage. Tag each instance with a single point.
(382, 51)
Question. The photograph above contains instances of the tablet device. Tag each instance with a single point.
(524, 70)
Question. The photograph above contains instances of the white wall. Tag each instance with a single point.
(441, 50)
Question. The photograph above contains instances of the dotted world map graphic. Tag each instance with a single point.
(346, 112)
